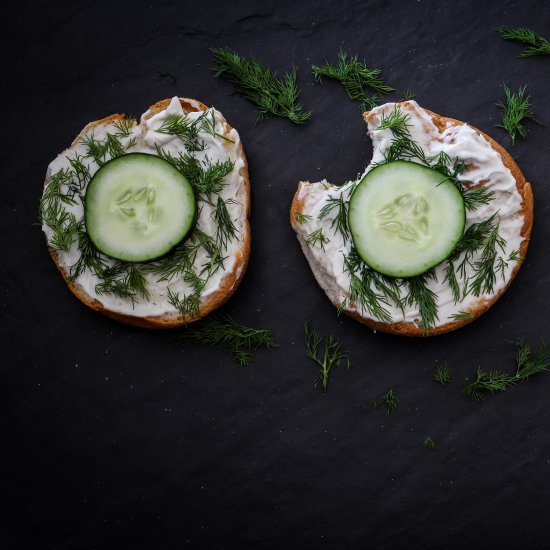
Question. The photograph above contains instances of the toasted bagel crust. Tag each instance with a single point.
(482, 304)
(228, 284)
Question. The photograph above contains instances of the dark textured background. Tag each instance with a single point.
(115, 436)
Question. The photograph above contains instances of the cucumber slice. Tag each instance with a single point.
(138, 207)
(405, 218)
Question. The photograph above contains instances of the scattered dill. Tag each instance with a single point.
(354, 75)
(317, 237)
(301, 218)
(103, 150)
(538, 45)
(484, 237)
(422, 297)
(340, 221)
(475, 197)
(389, 399)
(225, 228)
(206, 177)
(185, 128)
(516, 109)
(515, 256)
(259, 84)
(527, 365)
(223, 332)
(124, 280)
(370, 290)
(124, 127)
(332, 354)
(397, 121)
(408, 95)
(461, 316)
(429, 443)
(443, 374)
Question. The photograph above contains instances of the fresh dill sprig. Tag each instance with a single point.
(484, 277)
(59, 192)
(124, 127)
(89, 258)
(461, 316)
(259, 84)
(389, 399)
(516, 109)
(225, 228)
(189, 305)
(317, 237)
(424, 298)
(474, 198)
(397, 121)
(99, 150)
(370, 290)
(185, 128)
(515, 256)
(333, 353)
(301, 218)
(181, 259)
(124, 280)
(429, 443)
(340, 221)
(495, 381)
(205, 176)
(223, 332)
(538, 45)
(408, 95)
(354, 75)
(482, 236)
(443, 374)
(81, 171)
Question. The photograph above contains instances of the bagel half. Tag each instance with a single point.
(124, 310)
(328, 278)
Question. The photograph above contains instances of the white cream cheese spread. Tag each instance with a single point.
(485, 166)
(146, 138)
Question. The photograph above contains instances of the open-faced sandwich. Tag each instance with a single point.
(148, 222)
(430, 236)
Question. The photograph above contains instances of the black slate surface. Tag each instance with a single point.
(113, 436)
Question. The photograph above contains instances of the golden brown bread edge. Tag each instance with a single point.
(228, 284)
(483, 304)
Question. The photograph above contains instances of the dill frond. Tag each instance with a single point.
(495, 381)
(259, 84)
(443, 374)
(389, 399)
(429, 443)
(317, 237)
(538, 45)
(340, 220)
(516, 109)
(333, 353)
(301, 218)
(221, 331)
(354, 75)
(425, 299)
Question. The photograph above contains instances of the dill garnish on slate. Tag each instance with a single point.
(223, 332)
(514, 111)
(389, 399)
(429, 443)
(354, 75)
(259, 84)
(538, 45)
(495, 381)
(443, 374)
(332, 353)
